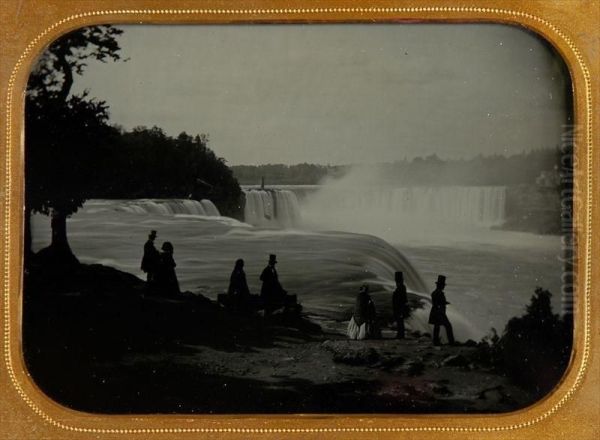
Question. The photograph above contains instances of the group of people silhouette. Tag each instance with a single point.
(159, 267)
(161, 278)
(272, 294)
(363, 324)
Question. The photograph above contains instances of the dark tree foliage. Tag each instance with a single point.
(149, 164)
(66, 146)
(535, 349)
(54, 72)
(73, 154)
(66, 135)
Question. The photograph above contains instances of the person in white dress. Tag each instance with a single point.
(363, 324)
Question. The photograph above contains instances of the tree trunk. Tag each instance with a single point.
(59, 250)
(58, 223)
(67, 71)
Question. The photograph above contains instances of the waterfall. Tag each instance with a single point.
(275, 208)
(475, 205)
(389, 212)
(210, 208)
(398, 214)
(154, 206)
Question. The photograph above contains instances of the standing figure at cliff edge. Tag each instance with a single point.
(150, 261)
(166, 278)
(271, 292)
(238, 290)
(363, 323)
(400, 305)
(437, 316)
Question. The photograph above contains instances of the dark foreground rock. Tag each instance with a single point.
(98, 344)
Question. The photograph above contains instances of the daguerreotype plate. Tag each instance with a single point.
(306, 219)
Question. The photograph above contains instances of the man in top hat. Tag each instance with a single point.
(150, 260)
(438, 316)
(400, 304)
(271, 291)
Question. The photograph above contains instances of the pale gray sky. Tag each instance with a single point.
(348, 93)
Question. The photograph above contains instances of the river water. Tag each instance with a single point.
(328, 243)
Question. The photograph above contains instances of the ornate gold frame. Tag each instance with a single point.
(573, 26)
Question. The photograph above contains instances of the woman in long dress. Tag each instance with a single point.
(238, 290)
(238, 286)
(166, 277)
(363, 324)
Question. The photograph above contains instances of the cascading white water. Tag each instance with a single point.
(488, 284)
(155, 206)
(402, 214)
(475, 205)
(377, 209)
(274, 208)
(210, 208)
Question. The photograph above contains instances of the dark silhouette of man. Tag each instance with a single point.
(271, 291)
(150, 260)
(437, 316)
(400, 305)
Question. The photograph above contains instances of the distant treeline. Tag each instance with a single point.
(523, 168)
(301, 174)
